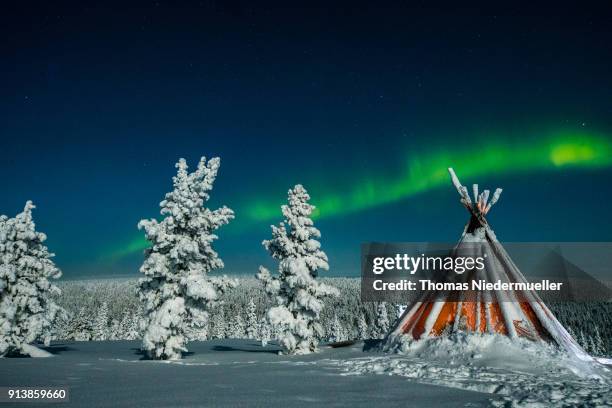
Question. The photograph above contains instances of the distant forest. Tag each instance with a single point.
(110, 310)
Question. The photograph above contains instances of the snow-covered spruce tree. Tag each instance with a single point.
(114, 330)
(176, 289)
(600, 348)
(382, 320)
(27, 311)
(203, 333)
(582, 340)
(218, 324)
(264, 332)
(297, 295)
(100, 327)
(252, 325)
(238, 330)
(128, 327)
(79, 328)
(362, 327)
(60, 328)
(337, 332)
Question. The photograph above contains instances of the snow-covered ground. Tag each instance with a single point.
(219, 373)
(518, 372)
(447, 372)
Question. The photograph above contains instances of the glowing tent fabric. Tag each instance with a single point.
(514, 314)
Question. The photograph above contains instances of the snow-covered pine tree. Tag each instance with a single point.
(600, 348)
(114, 330)
(382, 320)
(337, 330)
(27, 311)
(61, 327)
(571, 333)
(362, 327)
(297, 295)
(264, 332)
(583, 340)
(132, 327)
(79, 328)
(252, 325)
(204, 331)
(218, 324)
(238, 328)
(100, 329)
(123, 327)
(176, 289)
(592, 346)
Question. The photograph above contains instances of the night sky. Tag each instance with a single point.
(364, 106)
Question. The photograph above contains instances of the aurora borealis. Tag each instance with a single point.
(367, 111)
(426, 172)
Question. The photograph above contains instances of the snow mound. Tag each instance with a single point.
(34, 351)
(517, 372)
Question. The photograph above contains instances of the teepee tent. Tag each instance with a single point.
(511, 313)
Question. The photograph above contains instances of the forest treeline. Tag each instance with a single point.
(109, 309)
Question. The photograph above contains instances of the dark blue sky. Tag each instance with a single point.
(97, 103)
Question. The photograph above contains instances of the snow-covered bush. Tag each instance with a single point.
(26, 309)
(297, 295)
(176, 289)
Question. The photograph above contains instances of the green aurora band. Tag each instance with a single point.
(427, 172)
(424, 173)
